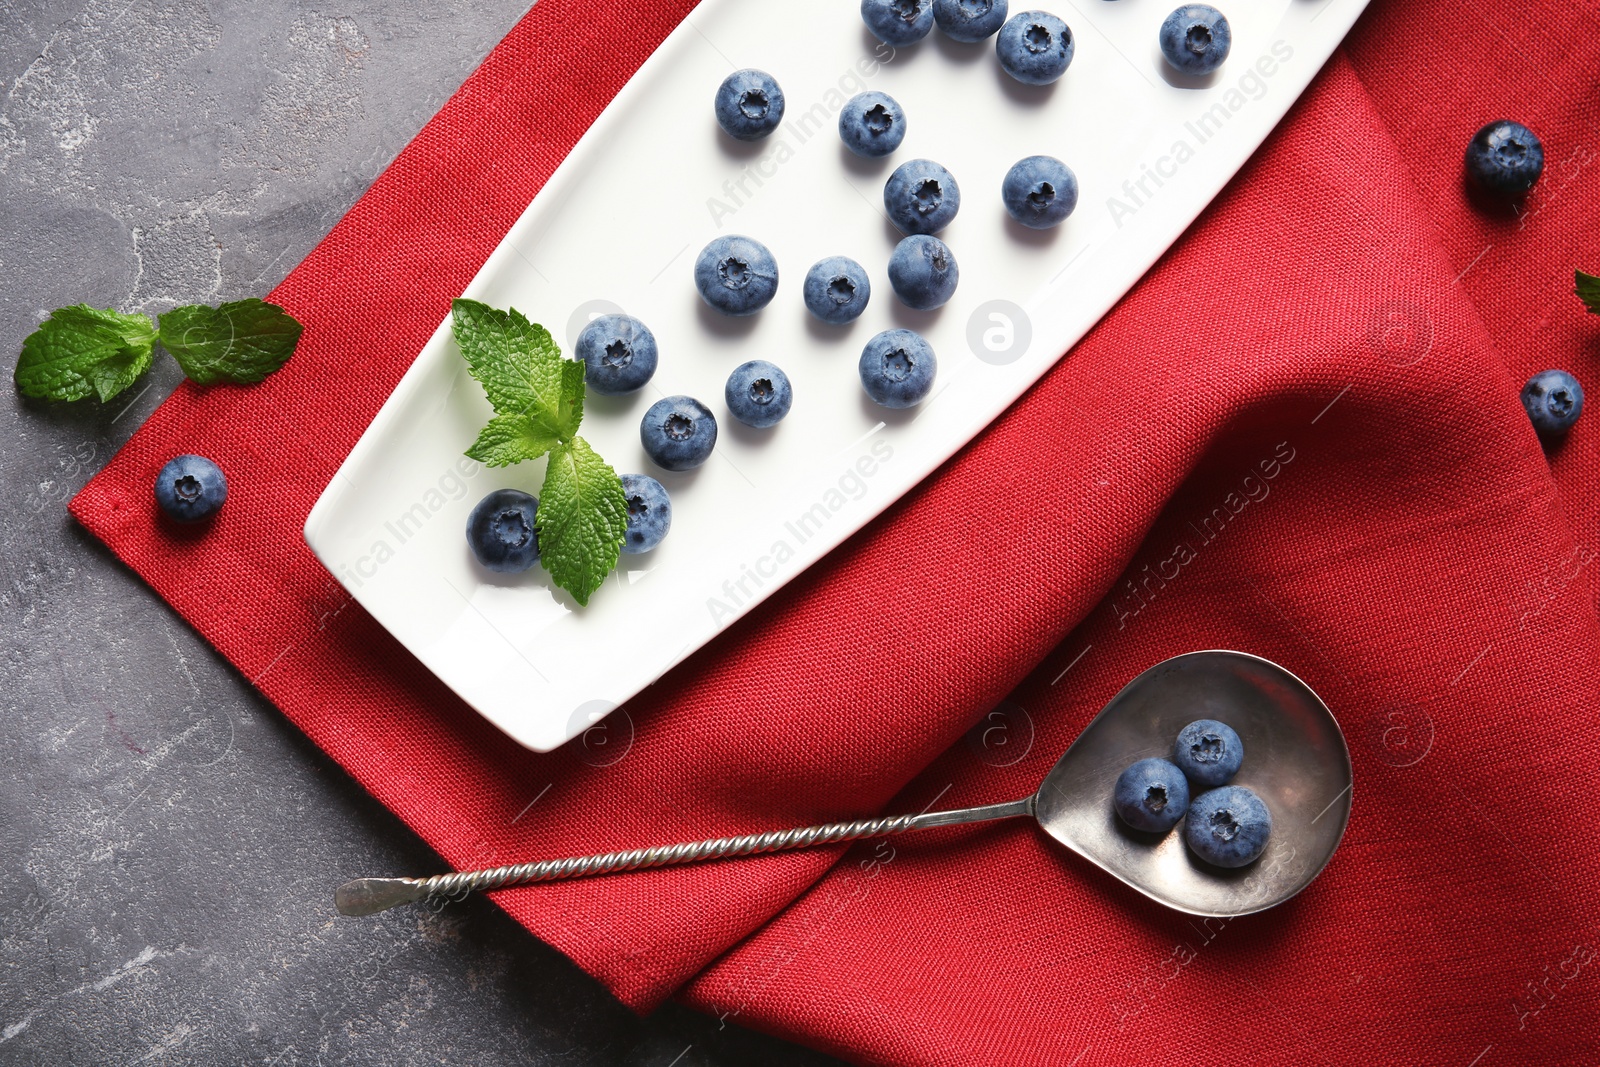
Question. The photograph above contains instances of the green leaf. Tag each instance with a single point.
(1588, 290)
(515, 360)
(81, 350)
(240, 342)
(511, 439)
(581, 518)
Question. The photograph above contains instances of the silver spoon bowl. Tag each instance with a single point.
(1295, 760)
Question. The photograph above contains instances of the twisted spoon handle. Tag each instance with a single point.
(368, 896)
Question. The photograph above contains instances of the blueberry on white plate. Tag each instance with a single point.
(969, 21)
(898, 22)
(736, 275)
(1039, 192)
(923, 272)
(618, 353)
(649, 513)
(897, 368)
(758, 394)
(837, 290)
(921, 197)
(872, 124)
(1035, 47)
(501, 531)
(1195, 39)
(678, 433)
(749, 104)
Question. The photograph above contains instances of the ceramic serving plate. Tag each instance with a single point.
(618, 227)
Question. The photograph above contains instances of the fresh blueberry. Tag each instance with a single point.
(898, 22)
(736, 275)
(1228, 827)
(872, 124)
(1034, 47)
(1505, 158)
(758, 394)
(969, 21)
(749, 104)
(897, 368)
(1195, 39)
(1040, 192)
(837, 290)
(190, 488)
(649, 513)
(921, 197)
(501, 531)
(1554, 400)
(678, 432)
(1152, 795)
(1209, 752)
(923, 272)
(618, 353)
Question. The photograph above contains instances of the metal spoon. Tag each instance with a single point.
(1295, 760)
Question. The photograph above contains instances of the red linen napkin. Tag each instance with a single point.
(1299, 436)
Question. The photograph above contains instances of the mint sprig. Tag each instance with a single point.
(241, 342)
(537, 397)
(1588, 290)
(82, 351)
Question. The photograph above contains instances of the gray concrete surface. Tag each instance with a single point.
(167, 840)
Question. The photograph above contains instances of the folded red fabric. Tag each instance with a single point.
(1299, 436)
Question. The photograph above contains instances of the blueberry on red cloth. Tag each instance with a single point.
(1553, 400)
(1505, 158)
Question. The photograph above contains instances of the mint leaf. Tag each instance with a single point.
(516, 361)
(511, 439)
(582, 517)
(242, 341)
(1588, 290)
(81, 350)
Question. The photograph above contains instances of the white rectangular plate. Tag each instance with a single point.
(618, 226)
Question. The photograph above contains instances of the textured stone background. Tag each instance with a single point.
(168, 843)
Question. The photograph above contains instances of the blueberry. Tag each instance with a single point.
(1505, 158)
(736, 275)
(501, 531)
(618, 353)
(897, 368)
(749, 104)
(1554, 400)
(898, 22)
(678, 432)
(649, 513)
(1040, 192)
(758, 394)
(921, 197)
(872, 124)
(1151, 794)
(1209, 752)
(1228, 827)
(1034, 47)
(969, 21)
(190, 488)
(837, 290)
(923, 272)
(1195, 39)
